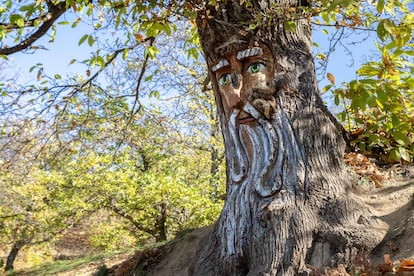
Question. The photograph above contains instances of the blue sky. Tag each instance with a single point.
(57, 56)
(56, 59)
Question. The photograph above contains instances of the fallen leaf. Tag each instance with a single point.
(406, 265)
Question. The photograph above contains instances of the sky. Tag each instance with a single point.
(56, 58)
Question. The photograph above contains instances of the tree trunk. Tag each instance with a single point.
(160, 223)
(215, 154)
(288, 202)
(13, 254)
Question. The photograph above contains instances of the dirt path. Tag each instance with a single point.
(394, 204)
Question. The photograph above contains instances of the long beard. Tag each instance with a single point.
(267, 171)
(266, 156)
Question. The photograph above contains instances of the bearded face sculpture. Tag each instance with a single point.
(262, 150)
(266, 166)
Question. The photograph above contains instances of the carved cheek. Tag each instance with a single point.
(257, 81)
(230, 98)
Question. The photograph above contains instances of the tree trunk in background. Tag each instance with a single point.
(161, 233)
(13, 254)
(298, 209)
(216, 156)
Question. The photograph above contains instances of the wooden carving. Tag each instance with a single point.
(288, 203)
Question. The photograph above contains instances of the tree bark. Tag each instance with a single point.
(297, 209)
(13, 254)
(160, 223)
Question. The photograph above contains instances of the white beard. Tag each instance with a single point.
(272, 173)
(275, 161)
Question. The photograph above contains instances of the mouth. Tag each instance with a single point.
(245, 118)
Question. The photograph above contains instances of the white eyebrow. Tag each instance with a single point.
(222, 63)
(249, 53)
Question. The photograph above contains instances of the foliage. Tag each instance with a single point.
(97, 155)
(146, 187)
(378, 106)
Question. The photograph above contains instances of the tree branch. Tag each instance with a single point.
(338, 25)
(55, 11)
(117, 210)
(135, 110)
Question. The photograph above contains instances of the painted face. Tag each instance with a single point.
(246, 76)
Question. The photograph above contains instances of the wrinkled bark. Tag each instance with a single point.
(300, 211)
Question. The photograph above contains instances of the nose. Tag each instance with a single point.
(235, 97)
(235, 80)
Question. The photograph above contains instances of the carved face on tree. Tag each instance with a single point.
(257, 133)
(246, 76)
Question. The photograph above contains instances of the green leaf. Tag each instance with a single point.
(192, 52)
(29, 9)
(100, 61)
(166, 28)
(381, 32)
(155, 94)
(314, 44)
(405, 155)
(326, 88)
(389, 26)
(380, 6)
(332, 6)
(149, 78)
(379, 103)
(325, 17)
(290, 26)
(152, 51)
(382, 97)
(125, 54)
(17, 19)
(395, 155)
(91, 40)
(336, 100)
(82, 40)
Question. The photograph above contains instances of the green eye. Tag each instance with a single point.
(224, 79)
(256, 67)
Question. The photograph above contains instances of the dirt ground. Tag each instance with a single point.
(394, 204)
(93, 268)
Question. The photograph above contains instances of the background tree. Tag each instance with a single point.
(101, 157)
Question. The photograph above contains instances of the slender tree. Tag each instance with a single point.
(288, 198)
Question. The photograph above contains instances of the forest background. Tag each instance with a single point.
(116, 136)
